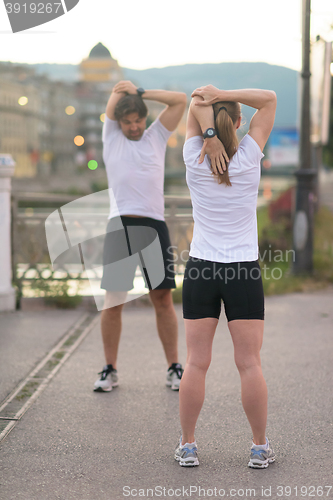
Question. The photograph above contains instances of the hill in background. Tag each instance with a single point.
(283, 81)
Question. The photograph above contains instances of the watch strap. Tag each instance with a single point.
(140, 91)
(209, 133)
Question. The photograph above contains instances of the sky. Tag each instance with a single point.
(150, 33)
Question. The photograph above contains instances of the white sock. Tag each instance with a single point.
(262, 446)
(191, 445)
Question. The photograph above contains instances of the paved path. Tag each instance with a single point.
(25, 337)
(74, 444)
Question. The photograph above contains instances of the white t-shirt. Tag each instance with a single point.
(135, 169)
(225, 218)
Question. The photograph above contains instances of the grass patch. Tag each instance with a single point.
(57, 292)
(177, 295)
(27, 391)
(59, 354)
(277, 274)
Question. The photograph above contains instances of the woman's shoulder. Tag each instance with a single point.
(194, 141)
(249, 150)
(192, 146)
(248, 143)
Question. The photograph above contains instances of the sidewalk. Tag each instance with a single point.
(74, 444)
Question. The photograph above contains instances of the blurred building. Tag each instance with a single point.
(41, 119)
(100, 67)
(53, 128)
(62, 124)
(34, 126)
(19, 118)
(98, 74)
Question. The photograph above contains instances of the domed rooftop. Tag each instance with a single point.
(100, 52)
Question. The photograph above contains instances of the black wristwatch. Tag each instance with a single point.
(210, 132)
(140, 91)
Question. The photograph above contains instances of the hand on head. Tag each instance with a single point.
(208, 94)
(125, 86)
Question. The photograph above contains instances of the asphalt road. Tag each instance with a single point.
(74, 444)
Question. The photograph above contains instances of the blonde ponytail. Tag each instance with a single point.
(226, 115)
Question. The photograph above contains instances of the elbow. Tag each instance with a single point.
(273, 96)
(196, 99)
(271, 100)
(183, 99)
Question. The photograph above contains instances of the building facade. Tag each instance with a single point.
(53, 129)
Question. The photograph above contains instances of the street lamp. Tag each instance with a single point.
(306, 175)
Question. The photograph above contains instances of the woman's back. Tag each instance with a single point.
(225, 223)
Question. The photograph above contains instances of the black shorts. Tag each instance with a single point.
(137, 241)
(237, 284)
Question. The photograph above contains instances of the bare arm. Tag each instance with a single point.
(112, 102)
(175, 102)
(263, 100)
(199, 119)
(169, 117)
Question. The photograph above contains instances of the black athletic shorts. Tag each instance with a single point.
(237, 284)
(125, 247)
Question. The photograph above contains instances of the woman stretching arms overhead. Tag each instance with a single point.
(223, 263)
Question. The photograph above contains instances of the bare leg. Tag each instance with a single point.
(111, 326)
(247, 337)
(199, 339)
(167, 325)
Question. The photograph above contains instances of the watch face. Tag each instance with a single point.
(210, 132)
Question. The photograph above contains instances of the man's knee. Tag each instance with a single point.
(161, 298)
(114, 301)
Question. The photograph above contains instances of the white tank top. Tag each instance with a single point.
(225, 217)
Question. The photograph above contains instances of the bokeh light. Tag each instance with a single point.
(267, 194)
(102, 117)
(92, 164)
(29, 211)
(78, 140)
(70, 110)
(172, 142)
(267, 164)
(23, 100)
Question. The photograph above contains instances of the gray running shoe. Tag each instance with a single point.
(261, 458)
(109, 379)
(187, 454)
(174, 375)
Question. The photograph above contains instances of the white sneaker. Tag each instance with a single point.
(174, 375)
(109, 379)
(261, 456)
(187, 454)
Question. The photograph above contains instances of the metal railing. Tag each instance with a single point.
(30, 253)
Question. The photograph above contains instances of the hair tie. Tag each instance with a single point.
(222, 107)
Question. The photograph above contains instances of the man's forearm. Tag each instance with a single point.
(167, 97)
(112, 102)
